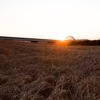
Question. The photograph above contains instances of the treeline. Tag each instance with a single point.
(84, 42)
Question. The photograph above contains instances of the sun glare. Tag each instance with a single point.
(61, 39)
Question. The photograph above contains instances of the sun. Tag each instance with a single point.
(61, 39)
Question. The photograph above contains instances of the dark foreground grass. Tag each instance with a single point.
(40, 71)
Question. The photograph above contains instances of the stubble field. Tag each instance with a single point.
(44, 71)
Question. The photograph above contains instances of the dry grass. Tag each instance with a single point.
(31, 71)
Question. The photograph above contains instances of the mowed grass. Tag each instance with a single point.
(43, 71)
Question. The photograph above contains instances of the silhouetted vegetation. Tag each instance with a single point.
(69, 41)
(84, 42)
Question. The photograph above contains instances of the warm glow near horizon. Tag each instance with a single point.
(52, 19)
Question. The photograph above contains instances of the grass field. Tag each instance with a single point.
(43, 71)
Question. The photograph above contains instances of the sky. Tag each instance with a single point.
(52, 19)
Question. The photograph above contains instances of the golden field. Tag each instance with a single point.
(44, 71)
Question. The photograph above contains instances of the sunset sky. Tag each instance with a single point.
(54, 19)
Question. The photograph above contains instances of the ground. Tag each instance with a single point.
(46, 71)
